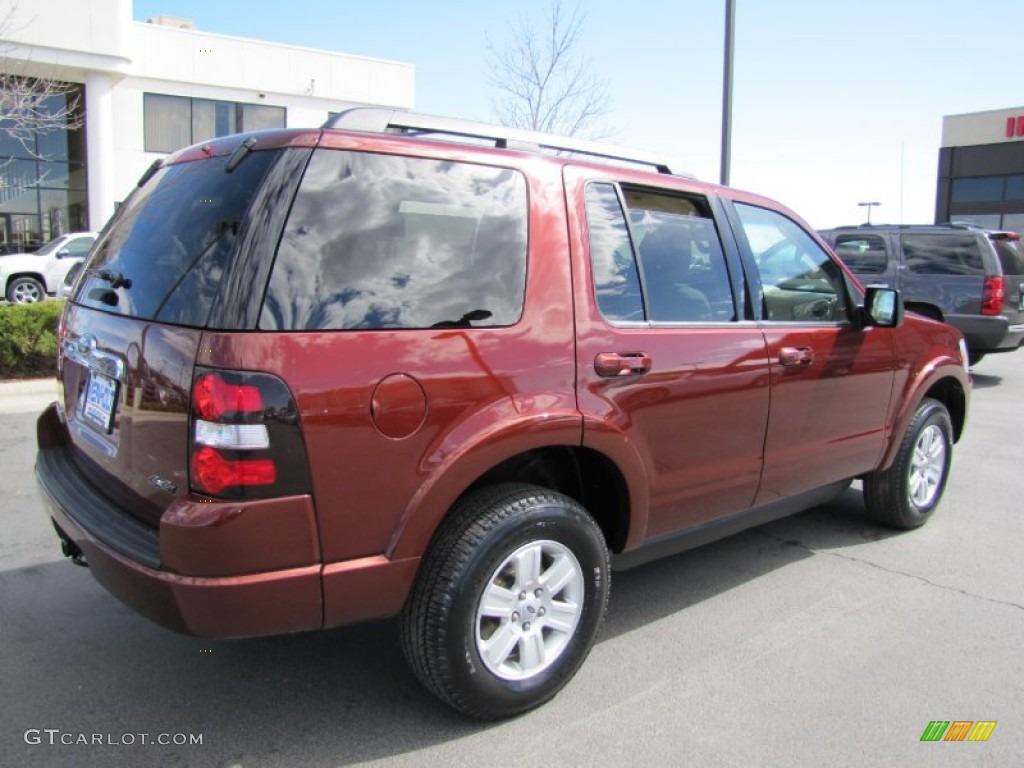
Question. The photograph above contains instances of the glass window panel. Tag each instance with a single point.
(863, 254)
(167, 122)
(978, 190)
(1013, 222)
(377, 241)
(943, 254)
(986, 220)
(799, 279)
(211, 119)
(256, 117)
(616, 279)
(1014, 188)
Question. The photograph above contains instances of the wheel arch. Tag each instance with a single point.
(552, 459)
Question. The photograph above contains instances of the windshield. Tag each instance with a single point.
(163, 256)
(51, 246)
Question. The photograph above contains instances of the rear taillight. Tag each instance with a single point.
(246, 437)
(992, 294)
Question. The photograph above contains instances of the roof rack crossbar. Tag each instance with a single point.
(376, 120)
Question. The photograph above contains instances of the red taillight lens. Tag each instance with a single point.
(213, 473)
(213, 397)
(246, 438)
(992, 294)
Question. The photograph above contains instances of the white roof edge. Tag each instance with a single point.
(220, 35)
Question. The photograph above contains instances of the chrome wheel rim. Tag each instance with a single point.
(529, 610)
(927, 466)
(26, 293)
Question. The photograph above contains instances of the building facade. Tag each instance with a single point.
(143, 89)
(981, 169)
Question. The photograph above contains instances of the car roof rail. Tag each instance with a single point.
(378, 120)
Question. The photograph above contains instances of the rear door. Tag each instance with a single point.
(831, 380)
(669, 369)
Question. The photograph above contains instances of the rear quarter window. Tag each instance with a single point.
(387, 242)
(942, 254)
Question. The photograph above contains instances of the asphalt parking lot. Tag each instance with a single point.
(817, 640)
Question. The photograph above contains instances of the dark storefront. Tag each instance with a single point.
(983, 182)
(42, 180)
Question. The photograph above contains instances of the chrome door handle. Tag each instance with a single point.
(796, 357)
(611, 364)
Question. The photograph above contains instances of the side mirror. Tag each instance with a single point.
(883, 307)
(63, 253)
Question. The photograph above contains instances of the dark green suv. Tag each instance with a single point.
(969, 277)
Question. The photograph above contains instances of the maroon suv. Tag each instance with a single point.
(316, 377)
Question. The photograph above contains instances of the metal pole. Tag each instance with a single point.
(730, 15)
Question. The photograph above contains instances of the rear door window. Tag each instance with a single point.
(670, 246)
(942, 254)
(386, 242)
(864, 254)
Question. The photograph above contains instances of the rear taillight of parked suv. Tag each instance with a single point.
(246, 439)
(993, 293)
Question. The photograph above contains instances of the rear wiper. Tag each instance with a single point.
(116, 279)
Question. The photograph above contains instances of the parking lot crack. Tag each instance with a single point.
(894, 571)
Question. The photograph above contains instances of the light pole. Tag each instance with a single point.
(869, 206)
(730, 13)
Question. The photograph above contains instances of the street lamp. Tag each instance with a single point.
(869, 206)
(730, 26)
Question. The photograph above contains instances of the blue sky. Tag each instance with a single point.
(835, 102)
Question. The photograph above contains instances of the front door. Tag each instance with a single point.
(831, 379)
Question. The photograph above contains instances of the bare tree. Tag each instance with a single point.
(28, 107)
(543, 83)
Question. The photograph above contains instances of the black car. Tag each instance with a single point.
(967, 276)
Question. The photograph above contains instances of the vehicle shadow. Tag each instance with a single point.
(984, 380)
(82, 662)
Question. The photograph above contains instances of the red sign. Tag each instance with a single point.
(1014, 126)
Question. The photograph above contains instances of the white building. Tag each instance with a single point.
(147, 88)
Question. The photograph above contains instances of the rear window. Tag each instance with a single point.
(163, 256)
(387, 242)
(1011, 255)
(942, 254)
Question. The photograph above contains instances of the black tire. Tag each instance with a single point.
(446, 630)
(905, 495)
(25, 290)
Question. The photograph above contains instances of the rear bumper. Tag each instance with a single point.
(214, 569)
(988, 334)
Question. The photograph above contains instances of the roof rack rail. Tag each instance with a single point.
(376, 120)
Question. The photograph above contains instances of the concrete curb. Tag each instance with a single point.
(27, 395)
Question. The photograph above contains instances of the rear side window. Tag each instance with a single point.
(164, 255)
(387, 242)
(863, 254)
(942, 254)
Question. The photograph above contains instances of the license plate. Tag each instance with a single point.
(100, 397)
